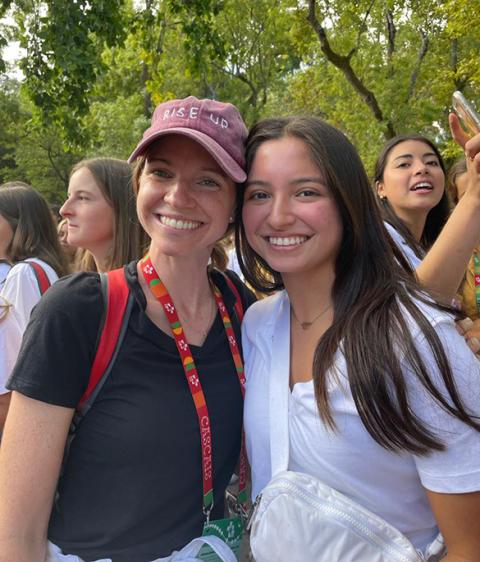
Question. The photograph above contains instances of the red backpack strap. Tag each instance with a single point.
(238, 298)
(42, 278)
(118, 308)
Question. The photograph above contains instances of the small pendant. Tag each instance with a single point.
(305, 325)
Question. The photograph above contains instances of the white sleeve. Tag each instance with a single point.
(457, 468)
(10, 341)
(22, 292)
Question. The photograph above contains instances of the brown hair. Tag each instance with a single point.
(219, 257)
(457, 169)
(34, 230)
(437, 216)
(114, 179)
(372, 298)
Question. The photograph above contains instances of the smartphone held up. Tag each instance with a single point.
(467, 114)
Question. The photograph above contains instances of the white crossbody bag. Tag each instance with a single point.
(298, 518)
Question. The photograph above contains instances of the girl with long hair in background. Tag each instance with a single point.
(28, 234)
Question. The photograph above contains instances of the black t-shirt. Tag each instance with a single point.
(132, 484)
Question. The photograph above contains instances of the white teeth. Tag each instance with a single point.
(423, 185)
(180, 225)
(287, 241)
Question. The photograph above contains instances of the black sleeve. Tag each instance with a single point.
(59, 343)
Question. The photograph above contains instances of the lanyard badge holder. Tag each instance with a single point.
(230, 530)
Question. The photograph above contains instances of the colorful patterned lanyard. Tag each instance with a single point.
(476, 271)
(161, 294)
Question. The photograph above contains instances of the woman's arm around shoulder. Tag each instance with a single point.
(30, 459)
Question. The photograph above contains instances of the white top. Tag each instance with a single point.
(350, 461)
(4, 269)
(403, 246)
(21, 291)
(233, 263)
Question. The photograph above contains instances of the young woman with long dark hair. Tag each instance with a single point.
(409, 180)
(382, 392)
(28, 236)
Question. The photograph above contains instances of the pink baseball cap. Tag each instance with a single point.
(217, 126)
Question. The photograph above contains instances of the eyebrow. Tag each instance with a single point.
(219, 171)
(426, 155)
(149, 160)
(79, 192)
(297, 181)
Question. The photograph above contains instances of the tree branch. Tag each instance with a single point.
(53, 163)
(391, 32)
(343, 64)
(242, 77)
(421, 55)
(363, 27)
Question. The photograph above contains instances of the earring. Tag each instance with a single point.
(230, 219)
(382, 197)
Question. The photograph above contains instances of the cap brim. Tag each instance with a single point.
(221, 156)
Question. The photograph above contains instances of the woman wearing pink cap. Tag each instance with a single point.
(151, 460)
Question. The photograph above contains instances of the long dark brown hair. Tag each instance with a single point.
(437, 216)
(372, 298)
(34, 229)
(114, 179)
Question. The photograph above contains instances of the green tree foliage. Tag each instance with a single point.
(29, 151)
(64, 41)
(376, 69)
(5, 32)
(95, 70)
(10, 118)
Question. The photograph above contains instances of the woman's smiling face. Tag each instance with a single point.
(290, 216)
(185, 200)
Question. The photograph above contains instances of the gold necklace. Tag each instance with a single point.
(307, 325)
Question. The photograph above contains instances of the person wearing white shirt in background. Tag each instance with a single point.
(383, 393)
(28, 234)
(4, 268)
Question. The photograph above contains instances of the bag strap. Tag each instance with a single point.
(40, 275)
(238, 299)
(279, 390)
(118, 308)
